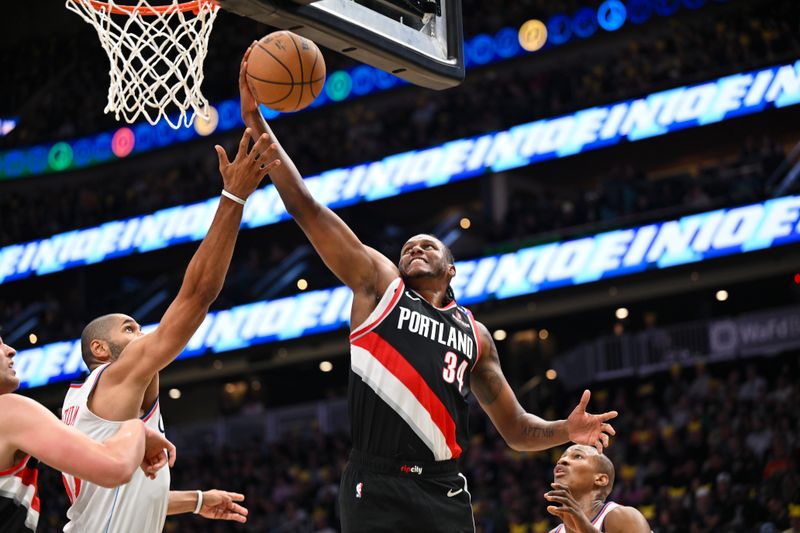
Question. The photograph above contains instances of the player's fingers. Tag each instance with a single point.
(243, 144)
(223, 157)
(234, 517)
(599, 447)
(172, 451)
(235, 496)
(608, 416)
(266, 168)
(584, 400)
(604, 439)
(236, 508)
(261, 147)
(557, 499)
(557, 511)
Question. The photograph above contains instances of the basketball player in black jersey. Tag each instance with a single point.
(415, 356)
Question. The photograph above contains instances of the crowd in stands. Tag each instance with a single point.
(369, 130)
(713, 450)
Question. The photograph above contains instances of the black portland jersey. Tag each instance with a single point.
(409, 377)
(19, 498)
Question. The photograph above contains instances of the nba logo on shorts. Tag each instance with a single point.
(358, 489)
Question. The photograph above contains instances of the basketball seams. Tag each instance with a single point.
(288, 70)
(273, 101)
(262, 80)
(313, 66)
(302, 74)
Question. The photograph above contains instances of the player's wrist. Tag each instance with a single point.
(235, 196)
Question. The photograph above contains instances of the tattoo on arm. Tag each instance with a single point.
(538, 433)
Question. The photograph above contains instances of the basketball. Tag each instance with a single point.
(286, 72)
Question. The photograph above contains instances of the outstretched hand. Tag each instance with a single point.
(242, 175)
(221, 505)
(248, 100)
(589, 429)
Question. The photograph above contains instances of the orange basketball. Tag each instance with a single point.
(286, 72)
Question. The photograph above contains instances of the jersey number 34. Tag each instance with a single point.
(450, 374)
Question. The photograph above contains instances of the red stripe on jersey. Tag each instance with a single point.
(397, 293)
(149, 414)
(66, 488)
(395, 363)
(16, 467)
(77, 487)
(30, 478)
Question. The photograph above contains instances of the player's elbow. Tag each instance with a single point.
(302, 206)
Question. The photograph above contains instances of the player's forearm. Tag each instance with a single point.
(119, 455)
(182, 501)
(536, 434)
(286, 178)
(206, 272)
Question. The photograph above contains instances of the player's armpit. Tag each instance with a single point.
(626, 520)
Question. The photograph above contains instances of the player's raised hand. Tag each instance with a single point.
(158, 451)
(221, 505)
(242, 175)
(247, 98)
(589, 429)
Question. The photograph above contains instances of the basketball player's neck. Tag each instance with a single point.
(591, 503)
(433, 293)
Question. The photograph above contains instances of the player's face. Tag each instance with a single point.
(125, 330)
(9, 382)
(422, 256)
(575, 468)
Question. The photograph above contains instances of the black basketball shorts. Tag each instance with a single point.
(386, 495)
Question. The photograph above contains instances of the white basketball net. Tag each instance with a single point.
(156, 57)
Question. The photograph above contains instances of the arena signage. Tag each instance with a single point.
(690, 239)
(526, 144)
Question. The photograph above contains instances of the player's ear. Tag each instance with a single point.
(451, 269)
(601, 480)
(100, 350)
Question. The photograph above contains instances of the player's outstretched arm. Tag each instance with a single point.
(212, 504)
(29, 427)
(524, 431)
(205, 275)
(358, 266)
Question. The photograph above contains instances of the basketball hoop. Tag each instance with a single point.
(156, 55)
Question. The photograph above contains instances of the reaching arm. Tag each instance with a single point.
(215, 504)
(204, 277)
(360, 267)
(524, 431)
(29, 427)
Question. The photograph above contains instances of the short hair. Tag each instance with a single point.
(97, 329)
(605, 466)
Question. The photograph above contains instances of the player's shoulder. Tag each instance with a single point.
(11, 401)
(14, 407)
(627, 519)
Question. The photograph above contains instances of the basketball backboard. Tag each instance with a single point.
(420, 41)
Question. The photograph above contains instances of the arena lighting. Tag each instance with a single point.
(205, 127)
(302, 284)
(326, 366)
(671, 243)
(551, 374)
(122, 142)
(526, 144)
(611, 15)
(499, 335)
(797, 279)
(363, 80)
(722, 295)
(32, 338)
(175, 394)
(465, 223)
(621, 313)
(532, 35)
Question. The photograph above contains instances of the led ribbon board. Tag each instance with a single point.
(690, 239)
(526, 144)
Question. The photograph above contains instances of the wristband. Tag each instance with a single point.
(199, 494)
(233, 197)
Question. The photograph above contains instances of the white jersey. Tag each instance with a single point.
(598, 520)
(138, 506)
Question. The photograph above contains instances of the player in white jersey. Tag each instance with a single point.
(32, 432)
(583, 480)
(124, 365)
